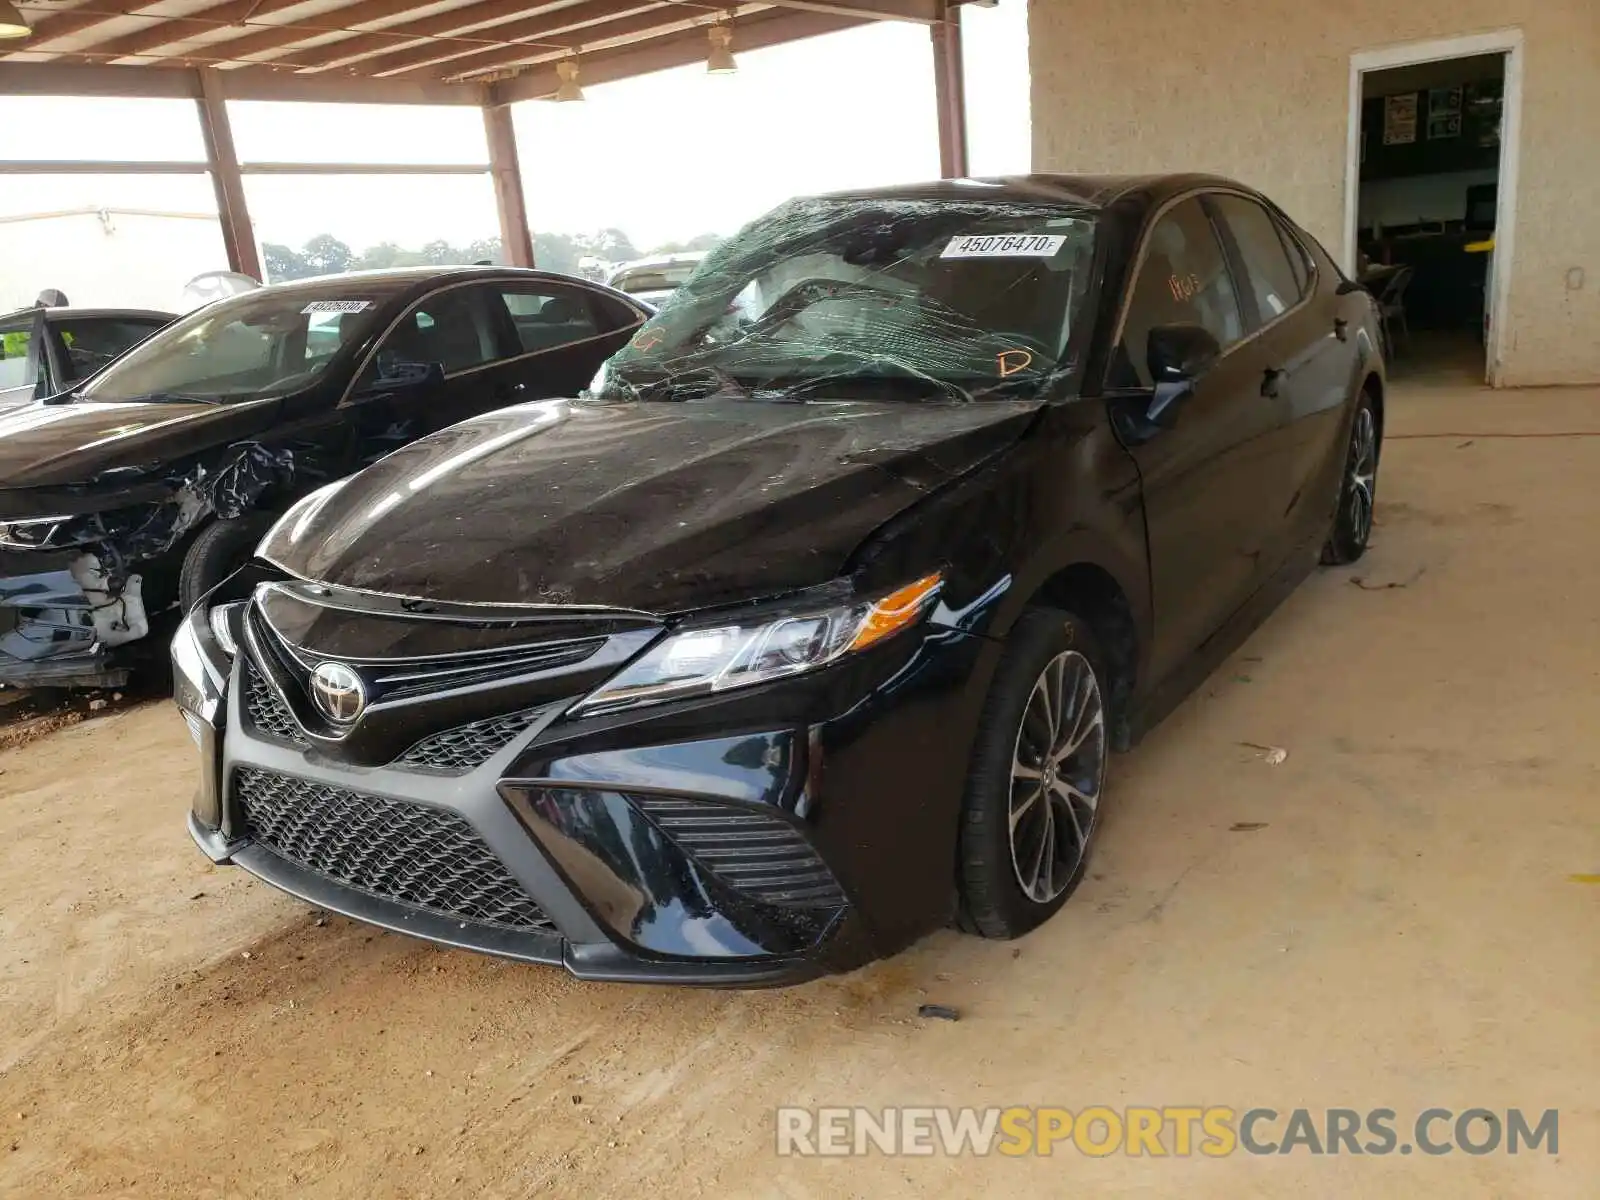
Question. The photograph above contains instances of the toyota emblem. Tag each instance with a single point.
(338, 692)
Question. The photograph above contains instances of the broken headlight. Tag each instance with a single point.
(714, 659)
(37, 533)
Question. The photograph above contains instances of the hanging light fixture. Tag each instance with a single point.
(567, 72)
(11, 23)
(719, 59)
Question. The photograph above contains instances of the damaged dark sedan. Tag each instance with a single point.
(811, 628)
(127, 499)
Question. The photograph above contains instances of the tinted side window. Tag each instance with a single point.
(546, 316)
(451, 328)
(92, 342)
(1299, 259)
(1183, 280)
(14, 357)
(613, 313)
(1269, 274)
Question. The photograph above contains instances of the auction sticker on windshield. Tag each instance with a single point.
(1004, 245)
(337, 306)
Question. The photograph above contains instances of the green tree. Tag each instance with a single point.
(327, 255)
(282, 263)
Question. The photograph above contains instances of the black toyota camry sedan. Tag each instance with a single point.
(811, 627)
(127, 498)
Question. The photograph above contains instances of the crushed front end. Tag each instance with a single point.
(85, 571)
(427, 768)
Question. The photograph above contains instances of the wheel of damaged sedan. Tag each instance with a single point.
(1352, 524)
(1032, 805)
(219, 550)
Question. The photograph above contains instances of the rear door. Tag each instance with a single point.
(1209, 479)
(561, 333)
(1310, 352)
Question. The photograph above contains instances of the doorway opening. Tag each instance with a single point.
(1430, 191)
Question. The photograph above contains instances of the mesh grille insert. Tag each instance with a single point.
(467, 746)
(755, 852)
(267, 714)
(392, 849)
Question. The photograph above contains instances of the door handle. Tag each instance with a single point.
(1341, 329)
(511, 389)
(1269, 382)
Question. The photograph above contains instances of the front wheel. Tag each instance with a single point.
(1352, 523)
(1032, 805)
(221, 548)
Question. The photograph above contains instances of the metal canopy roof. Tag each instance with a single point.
(487, 53)
(448, 51)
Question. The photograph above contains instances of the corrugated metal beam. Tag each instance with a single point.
(764, 29)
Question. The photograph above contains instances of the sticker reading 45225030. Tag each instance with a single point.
(337, 306)
(1004, 245)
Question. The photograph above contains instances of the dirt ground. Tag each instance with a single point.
(1412, 924)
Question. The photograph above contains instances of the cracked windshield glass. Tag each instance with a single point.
(871, 299)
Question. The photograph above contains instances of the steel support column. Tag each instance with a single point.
(950, 93)
(515, 236)
(238, 235)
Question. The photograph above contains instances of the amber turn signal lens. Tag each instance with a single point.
(896, 610)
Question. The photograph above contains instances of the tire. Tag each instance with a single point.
(1358, 489)
(1006, 889)
(219, 550)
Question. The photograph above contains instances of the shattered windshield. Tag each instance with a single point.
(892, 299)
(261, 344)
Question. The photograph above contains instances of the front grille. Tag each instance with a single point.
(268, 715)
(755, 852)
(467, 746)
(423, 857)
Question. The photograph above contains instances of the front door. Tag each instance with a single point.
(1209, 480)
(452, 331)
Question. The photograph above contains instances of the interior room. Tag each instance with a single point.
(1430, 169)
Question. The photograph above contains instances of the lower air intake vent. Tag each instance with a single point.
(409, 853)
(467, 746)
(755, 852)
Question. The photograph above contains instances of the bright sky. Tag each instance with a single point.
(662, 157)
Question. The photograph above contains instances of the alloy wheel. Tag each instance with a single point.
(1057, 769)
(1363, 475)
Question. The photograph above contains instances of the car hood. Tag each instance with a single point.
(50, 445)
(656, 506)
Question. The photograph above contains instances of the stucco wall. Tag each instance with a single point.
(1258, 90)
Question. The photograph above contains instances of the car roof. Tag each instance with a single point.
(52, 313)
(678, 259)
(430, 274)
(1088, 192)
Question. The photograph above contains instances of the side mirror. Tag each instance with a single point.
(403, 377)
(1177, 355)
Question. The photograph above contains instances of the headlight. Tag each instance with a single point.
(36, 533)
(224, 621)
(700, 661)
